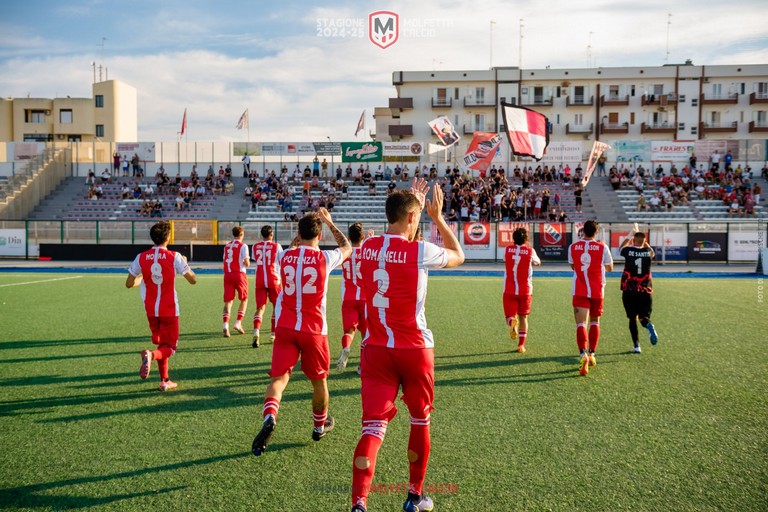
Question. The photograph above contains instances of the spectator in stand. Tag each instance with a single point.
(116, 163)
(180, 201)
(553, 215)
(372, 188)
(149, 190)
(157, 209)
(125, 163)
(135, 164)
(641, 204)
(125, 192)
(228, 172)
(714, 160)
(391, 186)
(577, 192)
(728, 160)
(200, 191)
(105, 176)
(91, 178)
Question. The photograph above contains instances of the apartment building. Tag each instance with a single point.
(111, 115)
(670, 102)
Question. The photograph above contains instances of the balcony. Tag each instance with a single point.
(479, 102)
(662, 100)
(758, 97)
(719, 99)
(400, 103)
(537, 101)
(614, 128)
(718, 128)
(580, 129)
(657, 128)
(760, 126)
(614, 100)
(442, 102)
(400, 130)
(469, 129)
(579, 101)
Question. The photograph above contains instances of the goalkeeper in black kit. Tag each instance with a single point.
(637, 286)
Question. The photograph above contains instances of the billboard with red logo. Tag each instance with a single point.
(477, 235)
(552, 241)
(505, 232)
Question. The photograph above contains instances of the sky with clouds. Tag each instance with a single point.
(304, 79)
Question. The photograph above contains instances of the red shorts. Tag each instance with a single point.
(595, 305)
(313, 349)
(235, 282)
(165, 330)
(517, 305)
(385, 370)
(353, 315)
(263, 293)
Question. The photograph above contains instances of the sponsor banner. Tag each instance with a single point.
(241, 148)
(707, 246)
(403, 149)
(327, 148)
(674, 150)
(552, 241)
(361, 151)
(13, 242)
(145, 150)
(26, 150)
(563, 152)
(436, 238)
(481, 151)
(300, 148)
(630, 151)
(477, 235)
(705, 148)
(671, 246)
(505, 232)
(744, 245)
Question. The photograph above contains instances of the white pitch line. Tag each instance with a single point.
(41, 281)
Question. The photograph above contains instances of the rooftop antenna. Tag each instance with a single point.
(589, 51)
(103, 39)
(491, 56)
(520, 47)
(669, 23)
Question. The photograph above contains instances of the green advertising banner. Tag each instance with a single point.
(361, 151)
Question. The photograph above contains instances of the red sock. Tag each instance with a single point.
(521, 336)
(319, 417)
(162, 352)
(256, 322)
(272, 326)
(162, 366)
(225, 317)
(418, 453)
(364, 462)
(346, 341)
(581, 337)
(240, 315)
(271, 406)
(594, 335)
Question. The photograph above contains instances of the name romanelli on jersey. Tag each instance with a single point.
(388, 257)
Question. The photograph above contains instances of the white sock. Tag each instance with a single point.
(226, 325)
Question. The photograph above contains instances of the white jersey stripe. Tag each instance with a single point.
(159, 287)
(298, 287)
(383, 311)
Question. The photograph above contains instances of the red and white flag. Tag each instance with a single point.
(598, 148)
(243, 122)
(527, 130)
(481, 151)
(360, 124)
(184, 123)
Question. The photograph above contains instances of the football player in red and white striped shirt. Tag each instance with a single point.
(589, 259)
(398, 349)
(352, 296)
(268, 285)
(236, 261)
(518, 285)
(301, 326)
(159, 267)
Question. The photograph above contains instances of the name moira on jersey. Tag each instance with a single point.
(151, 256)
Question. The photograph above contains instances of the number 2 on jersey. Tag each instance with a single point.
(381, 276)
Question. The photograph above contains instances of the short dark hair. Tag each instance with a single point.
(520, 236)
(590, 228)
(639, 236)
(237, 231)
(310, 226)
(266, 231)
(355, 232)
(160, 232)
(399, 204)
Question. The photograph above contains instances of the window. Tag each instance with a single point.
(38, 137)
(34, 116)
(694, 130)
(480, 122)
(65, 116)
(761, 118)
(742, 88)
(99, 101)
(99, 130)
(631, 90)
(681, 127)
(578, 119)
(631, 118)
(681, 98)
(658, 89)
(442, 96)
(714, 118)
(74, 138)
(694, 102)
(613, 92)
(761, 90)
(480, 95)
(456, 93)
(717, 90)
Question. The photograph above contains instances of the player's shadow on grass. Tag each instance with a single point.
(33, 344)
(42, 495)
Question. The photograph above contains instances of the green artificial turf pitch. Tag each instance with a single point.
(681, 426)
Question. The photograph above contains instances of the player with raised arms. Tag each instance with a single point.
(518, 286)
(589, 259)
(301, 327)
(398, 347)
(156, 270)
(236, 262)
(268, 285)
(637, 285)
(352, 297)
